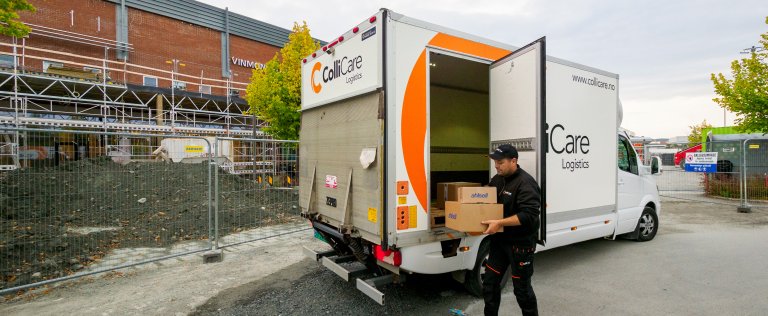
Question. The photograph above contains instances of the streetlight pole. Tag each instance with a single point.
(174, 69)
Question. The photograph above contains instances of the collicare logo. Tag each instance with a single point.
(316, 68)
(341, 67)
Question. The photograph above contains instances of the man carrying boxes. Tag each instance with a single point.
(514, 246)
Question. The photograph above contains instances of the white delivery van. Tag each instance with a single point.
(396, 105)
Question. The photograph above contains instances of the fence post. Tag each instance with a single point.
(744, 208)
(215, 164)
(215, 254)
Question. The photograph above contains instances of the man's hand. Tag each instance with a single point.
(494, 225)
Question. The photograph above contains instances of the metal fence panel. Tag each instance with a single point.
(755, 184)
(257, 186)
(741, 179)
(75, 203)
(80, 203)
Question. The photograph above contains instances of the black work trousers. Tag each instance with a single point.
(518, 256)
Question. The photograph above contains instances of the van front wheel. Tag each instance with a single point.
(474, 278)
(647, 225)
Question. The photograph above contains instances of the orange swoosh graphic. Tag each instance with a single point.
(414, 128)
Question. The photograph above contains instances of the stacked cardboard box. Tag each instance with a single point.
(449, 191)
(472, 206)
(446, 191)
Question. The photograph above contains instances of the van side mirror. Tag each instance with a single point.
(655, 164)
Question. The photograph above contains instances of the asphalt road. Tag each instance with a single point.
(706, 260)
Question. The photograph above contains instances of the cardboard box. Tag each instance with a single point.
(467, 217)
(449, 191)
(436, 217)
(484, 195)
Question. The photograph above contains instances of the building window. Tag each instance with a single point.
(205, 89)
(179, 85)
(150, 81)
(47, 64)
(6, 61)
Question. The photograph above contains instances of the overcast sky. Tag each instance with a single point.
(664, 51)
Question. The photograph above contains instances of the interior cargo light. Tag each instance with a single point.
(372, 19)
(354, 30)
(392, 257)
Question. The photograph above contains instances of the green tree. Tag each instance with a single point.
(9, 17)
(274, 93)
(747, 93)
(694, 138)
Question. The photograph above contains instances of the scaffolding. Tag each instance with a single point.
(98, 93)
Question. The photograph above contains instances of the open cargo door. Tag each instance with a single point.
(517, 110)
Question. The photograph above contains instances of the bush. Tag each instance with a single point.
(728, 186)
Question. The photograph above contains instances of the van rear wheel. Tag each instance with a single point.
(474, 280)
(647, 225)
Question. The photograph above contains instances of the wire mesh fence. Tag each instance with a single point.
(74, 203)
(256, 187)
(72, 207)
(739, 179)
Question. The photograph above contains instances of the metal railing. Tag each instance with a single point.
(42, 84)
(85, 202)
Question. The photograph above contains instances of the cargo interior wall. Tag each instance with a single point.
(459, 121)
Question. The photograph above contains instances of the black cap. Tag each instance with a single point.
(503, 151)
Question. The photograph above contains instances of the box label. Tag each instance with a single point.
(486, 195)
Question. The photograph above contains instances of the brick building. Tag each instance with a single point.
(172, 66)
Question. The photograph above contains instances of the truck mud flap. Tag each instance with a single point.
(368, 286)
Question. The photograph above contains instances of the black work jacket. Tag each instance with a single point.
(521, 196)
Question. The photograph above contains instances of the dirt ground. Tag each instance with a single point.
(182, 286)
(170, 287)
(56, 221)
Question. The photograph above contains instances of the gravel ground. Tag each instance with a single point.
(56, 221)
(306, 288)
